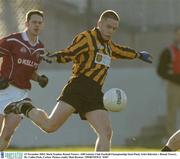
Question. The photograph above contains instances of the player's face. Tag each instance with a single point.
(108, 27)
(35, 24)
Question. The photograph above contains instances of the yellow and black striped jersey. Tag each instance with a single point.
(92, 55)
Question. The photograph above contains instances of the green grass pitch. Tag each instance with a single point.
(85, 149)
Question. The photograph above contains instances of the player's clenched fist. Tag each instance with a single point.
(42, 80)
(3, 83)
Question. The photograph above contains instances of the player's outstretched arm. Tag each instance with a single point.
(57, 57)
(78, 46)
(124, 52)
(50, 57)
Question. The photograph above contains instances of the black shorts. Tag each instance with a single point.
(83, 94)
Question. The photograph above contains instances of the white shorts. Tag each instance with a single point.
(11, 94)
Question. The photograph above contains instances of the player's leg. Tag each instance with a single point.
(2, 142)
(1, 121)
(173, 143)
(11, 122)
(172, 103)
(171, 117)
(59, 115)
(100, 122)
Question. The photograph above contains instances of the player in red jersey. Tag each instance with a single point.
(20, 53)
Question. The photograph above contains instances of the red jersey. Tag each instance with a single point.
(20, 59)
(175, 59)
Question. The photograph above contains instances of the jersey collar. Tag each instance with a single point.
(26, 38)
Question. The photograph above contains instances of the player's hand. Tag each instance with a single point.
(42, 80)
(3, 83)
(49, 57)
(145, 56)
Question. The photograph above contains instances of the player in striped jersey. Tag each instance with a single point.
(91, 53)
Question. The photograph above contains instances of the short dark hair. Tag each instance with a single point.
(109, 14)
(32, 12)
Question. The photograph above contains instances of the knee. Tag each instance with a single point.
(49, 127)
(106, 133)
(109, 133)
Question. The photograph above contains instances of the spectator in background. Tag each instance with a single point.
(169, 70)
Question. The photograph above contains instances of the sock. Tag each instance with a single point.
(166, 148)
(26, 108)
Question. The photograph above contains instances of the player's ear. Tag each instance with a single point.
(26, 24)
(99, 23)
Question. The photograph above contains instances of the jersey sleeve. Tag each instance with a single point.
(5, 47)
(78, 46)
(123, 52)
